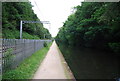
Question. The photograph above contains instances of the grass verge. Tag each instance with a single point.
(28, 67)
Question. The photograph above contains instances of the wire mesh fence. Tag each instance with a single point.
(14, 51)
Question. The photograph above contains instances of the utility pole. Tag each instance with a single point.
(21, 22)
(21, 29)
(44, 36)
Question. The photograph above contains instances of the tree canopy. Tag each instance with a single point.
(94, 25)
(13, 13)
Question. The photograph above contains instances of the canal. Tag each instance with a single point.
(87, 63)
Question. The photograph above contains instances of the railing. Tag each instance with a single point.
(14, 51)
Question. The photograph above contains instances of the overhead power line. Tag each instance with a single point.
(41, 13)
(39, 10)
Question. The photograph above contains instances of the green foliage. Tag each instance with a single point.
(8, 53)
(8, 57)
(93, 25)
(45, 44)
(115, 47)
(29, 36)
(16, 35)
(13, 13)
(28, 67)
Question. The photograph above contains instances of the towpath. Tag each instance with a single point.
(53, 66)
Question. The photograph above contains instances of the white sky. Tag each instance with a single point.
(55, 11)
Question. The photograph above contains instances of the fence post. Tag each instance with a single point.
(15, 52)
(34, 45)
(3, 47)
(24, 47)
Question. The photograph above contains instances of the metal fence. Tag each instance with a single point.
(14, 51)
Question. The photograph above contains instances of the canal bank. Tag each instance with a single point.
(86, 63)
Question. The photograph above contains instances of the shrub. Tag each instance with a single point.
(45, 44)
(115, 47)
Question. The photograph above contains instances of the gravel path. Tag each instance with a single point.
(53, 66)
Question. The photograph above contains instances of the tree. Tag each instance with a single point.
(13, 13)
(93, 25)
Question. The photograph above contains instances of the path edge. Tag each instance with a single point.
(67, 69)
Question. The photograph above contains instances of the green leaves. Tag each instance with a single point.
(115, 46)
(13, 13)
(93, 25)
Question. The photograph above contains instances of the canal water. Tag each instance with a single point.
(87, 63)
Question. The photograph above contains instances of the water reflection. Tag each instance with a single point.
(91, 64)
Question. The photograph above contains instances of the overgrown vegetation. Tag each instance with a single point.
(45, 44)
(28, 67)
(13, 13)
(94, 25)
(8, 58)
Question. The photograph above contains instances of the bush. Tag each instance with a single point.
(8, 59)
(115, 47)
(45, 44)
(10, 34)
